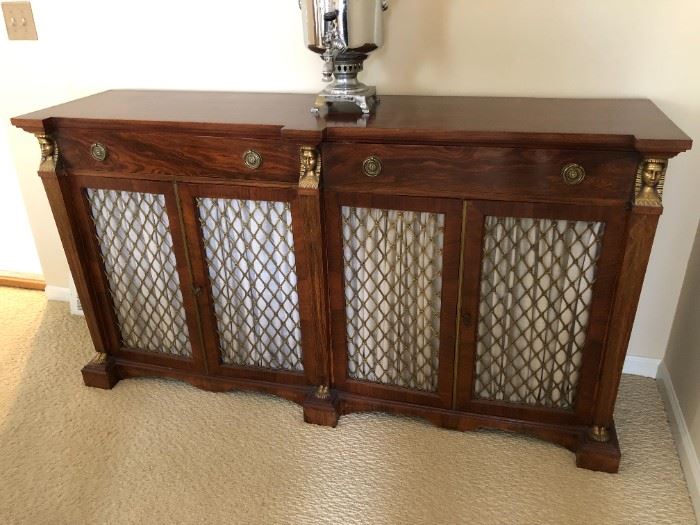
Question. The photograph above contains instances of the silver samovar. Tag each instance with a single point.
(343, 32)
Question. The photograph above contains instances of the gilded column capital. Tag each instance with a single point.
(649, 185)
(600, 434)
(310, 167)
(322, 392)
(99, 359)
(49, 152)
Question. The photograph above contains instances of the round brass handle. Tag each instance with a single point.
(573, 174)
(252, 159)
(98, 152)
(372, 166)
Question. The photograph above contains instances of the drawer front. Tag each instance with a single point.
(126, 152)
(485, 173)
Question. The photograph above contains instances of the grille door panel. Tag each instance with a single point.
(394, 268)
(538, 284)
(140, 280)
(246, 259)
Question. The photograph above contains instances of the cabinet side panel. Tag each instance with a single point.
(58, 191)
(641, 229)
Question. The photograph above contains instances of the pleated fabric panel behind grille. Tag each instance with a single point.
(133, 232)
(249, 250)
(536, 291)
(393, 285)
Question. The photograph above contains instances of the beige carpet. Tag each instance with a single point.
(154, 451)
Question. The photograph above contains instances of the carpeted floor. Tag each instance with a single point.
(154, 451)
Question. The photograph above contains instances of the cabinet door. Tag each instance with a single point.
(134, 253)
(393, 270)
(243, 254)
(538, 282)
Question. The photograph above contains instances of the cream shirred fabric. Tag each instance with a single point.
(252, 269)
(536, 291)
(133, 232)
(393, 285)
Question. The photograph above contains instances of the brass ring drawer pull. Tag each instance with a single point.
(372, 166)
(252, 159)
(573, 174)
(98, 152)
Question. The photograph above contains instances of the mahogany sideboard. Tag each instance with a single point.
(473, 261)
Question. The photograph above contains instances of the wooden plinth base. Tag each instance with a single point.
(590, 454)
(100, 373)
(602, 457)
(321, 411)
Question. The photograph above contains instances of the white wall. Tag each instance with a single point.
(18, 253)
(575, 48)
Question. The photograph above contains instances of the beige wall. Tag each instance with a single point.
(683, 353)
(575, 48)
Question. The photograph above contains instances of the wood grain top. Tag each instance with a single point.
(622, 124)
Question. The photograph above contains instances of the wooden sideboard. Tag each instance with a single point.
(473, 261)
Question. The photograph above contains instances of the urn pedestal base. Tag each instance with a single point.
(367, 102)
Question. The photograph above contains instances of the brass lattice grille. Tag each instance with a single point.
(133, 232)
(393, 282)
(536, 290)
(252, 269)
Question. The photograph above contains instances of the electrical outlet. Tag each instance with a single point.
(19, 20)
(76, 307)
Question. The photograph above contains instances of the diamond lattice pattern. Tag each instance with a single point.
(252, 269)
(536, 290)
(393, 282)
(137, 249)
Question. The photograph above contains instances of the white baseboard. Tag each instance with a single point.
(56, 293)
(686, 450)
(641, 366)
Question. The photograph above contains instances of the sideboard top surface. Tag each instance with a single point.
(622, 124)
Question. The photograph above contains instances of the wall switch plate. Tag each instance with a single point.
(19, 20)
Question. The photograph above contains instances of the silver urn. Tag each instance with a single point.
(343, 32)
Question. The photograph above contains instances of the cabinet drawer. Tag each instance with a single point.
(180, 154)
(485, 173)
